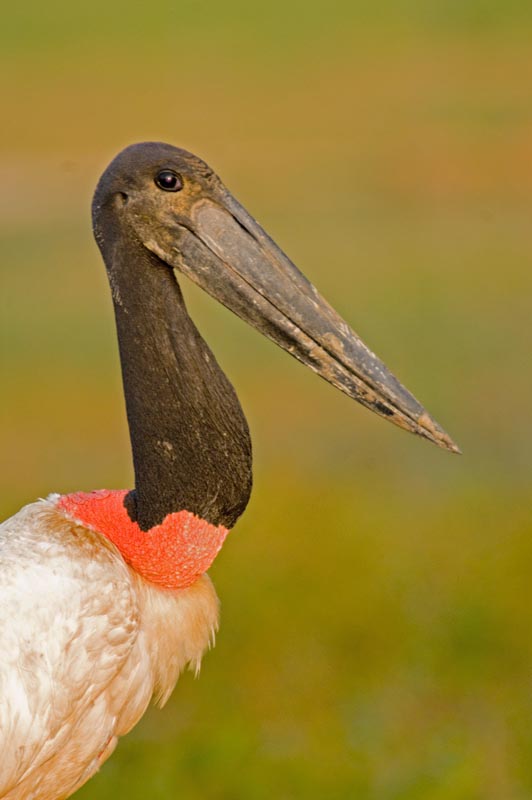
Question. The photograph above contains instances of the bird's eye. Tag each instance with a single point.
(168, 180)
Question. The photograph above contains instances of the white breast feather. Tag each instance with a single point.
(84, 645)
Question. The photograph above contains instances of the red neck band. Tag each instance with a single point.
(173, 554)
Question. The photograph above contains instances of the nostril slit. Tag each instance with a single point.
(121, 198)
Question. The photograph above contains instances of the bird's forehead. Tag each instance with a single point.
(140, 160)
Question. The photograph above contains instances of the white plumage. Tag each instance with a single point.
(85, 645)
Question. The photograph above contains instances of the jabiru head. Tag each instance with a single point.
(159, 210)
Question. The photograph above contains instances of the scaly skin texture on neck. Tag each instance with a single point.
(189, 437)
(173, 554)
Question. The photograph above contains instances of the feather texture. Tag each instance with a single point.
(85, 645)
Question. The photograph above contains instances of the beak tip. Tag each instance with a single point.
(451, 446)
(437, 435)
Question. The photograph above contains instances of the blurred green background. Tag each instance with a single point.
(376, 638)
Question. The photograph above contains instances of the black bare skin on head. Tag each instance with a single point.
(190, 440)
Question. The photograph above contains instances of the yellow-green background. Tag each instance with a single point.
(376, 638)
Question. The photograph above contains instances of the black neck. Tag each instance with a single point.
(189, 437)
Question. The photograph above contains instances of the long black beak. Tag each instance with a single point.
(224, 250)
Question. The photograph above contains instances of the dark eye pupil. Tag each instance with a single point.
(168, 180)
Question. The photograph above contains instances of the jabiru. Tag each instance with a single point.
(104, 594)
